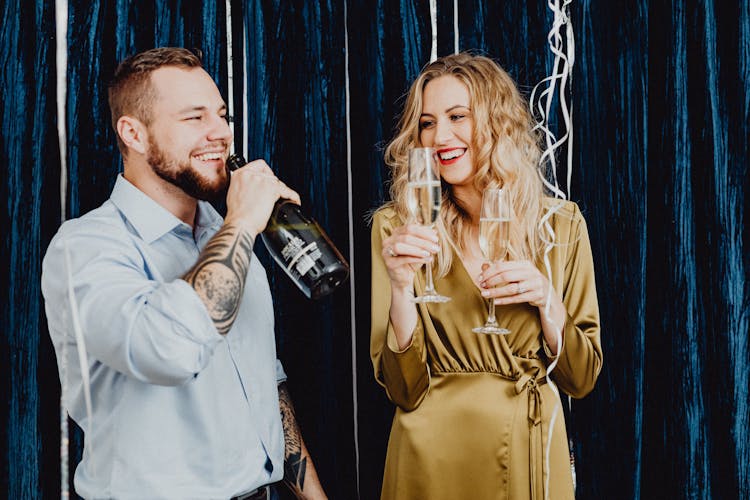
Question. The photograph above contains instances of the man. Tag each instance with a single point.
(175, 309)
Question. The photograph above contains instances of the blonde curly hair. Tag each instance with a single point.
(505, 149)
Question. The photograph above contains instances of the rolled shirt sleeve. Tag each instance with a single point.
(280, 373)
(158, 332)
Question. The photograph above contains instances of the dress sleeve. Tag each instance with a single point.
(403, 373)
(581, 358)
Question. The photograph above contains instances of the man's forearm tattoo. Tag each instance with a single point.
(295, 464)
(219, 275)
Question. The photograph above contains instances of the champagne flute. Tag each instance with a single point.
(423, 200)
(494, 235)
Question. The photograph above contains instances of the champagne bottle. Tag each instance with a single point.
(300, 246)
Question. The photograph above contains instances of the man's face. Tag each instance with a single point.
(189, 137)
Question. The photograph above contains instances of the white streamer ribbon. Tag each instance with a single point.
(564, 54)
(61, 65)
(433, 26)
(246, 139)
(561, 70)
(455, 26)
(352, 280)
(230, 69)
(83, 360)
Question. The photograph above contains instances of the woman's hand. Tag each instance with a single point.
(404, 251)
(516, 282)
(407, 248)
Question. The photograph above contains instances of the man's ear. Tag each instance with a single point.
(133, 133)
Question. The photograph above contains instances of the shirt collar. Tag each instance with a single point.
(208, 217)
(151, 220)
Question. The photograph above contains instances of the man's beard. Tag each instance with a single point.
(185, 177)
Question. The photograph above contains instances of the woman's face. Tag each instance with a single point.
(446, 124)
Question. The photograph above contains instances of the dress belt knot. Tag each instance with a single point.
(530, 383)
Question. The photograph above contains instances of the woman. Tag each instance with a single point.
(473, 411)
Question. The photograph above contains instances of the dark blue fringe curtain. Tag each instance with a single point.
(661, 111)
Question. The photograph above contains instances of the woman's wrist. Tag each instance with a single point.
(553, 321)
(399, 292)
(403, 314)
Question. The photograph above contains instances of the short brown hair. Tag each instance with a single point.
(130, 91)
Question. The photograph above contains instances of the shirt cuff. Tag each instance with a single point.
(190, 318)
(548, 351)
(392, 341)
(280, 373)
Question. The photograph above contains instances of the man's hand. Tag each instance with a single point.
(253, 191)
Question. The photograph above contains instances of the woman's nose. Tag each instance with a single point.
(443, 132)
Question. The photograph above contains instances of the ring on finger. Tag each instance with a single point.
(521, 288)
(391, 252)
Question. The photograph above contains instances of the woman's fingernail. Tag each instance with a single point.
(485, 293)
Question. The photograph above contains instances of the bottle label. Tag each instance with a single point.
(300, 257)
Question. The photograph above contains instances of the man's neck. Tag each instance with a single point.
(169, 196)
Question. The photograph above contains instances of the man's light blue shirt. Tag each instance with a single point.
(179, 411)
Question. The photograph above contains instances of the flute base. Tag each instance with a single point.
(432, 298)
(491, 330)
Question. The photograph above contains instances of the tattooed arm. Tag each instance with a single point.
(299, 471)
(219, 275)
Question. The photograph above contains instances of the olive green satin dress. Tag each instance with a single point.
(472, 410)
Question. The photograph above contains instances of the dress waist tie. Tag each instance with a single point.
(536, 453)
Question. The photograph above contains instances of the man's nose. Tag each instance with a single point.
(220, 129)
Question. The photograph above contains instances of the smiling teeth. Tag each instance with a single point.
(455, 153)
(210, 156)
